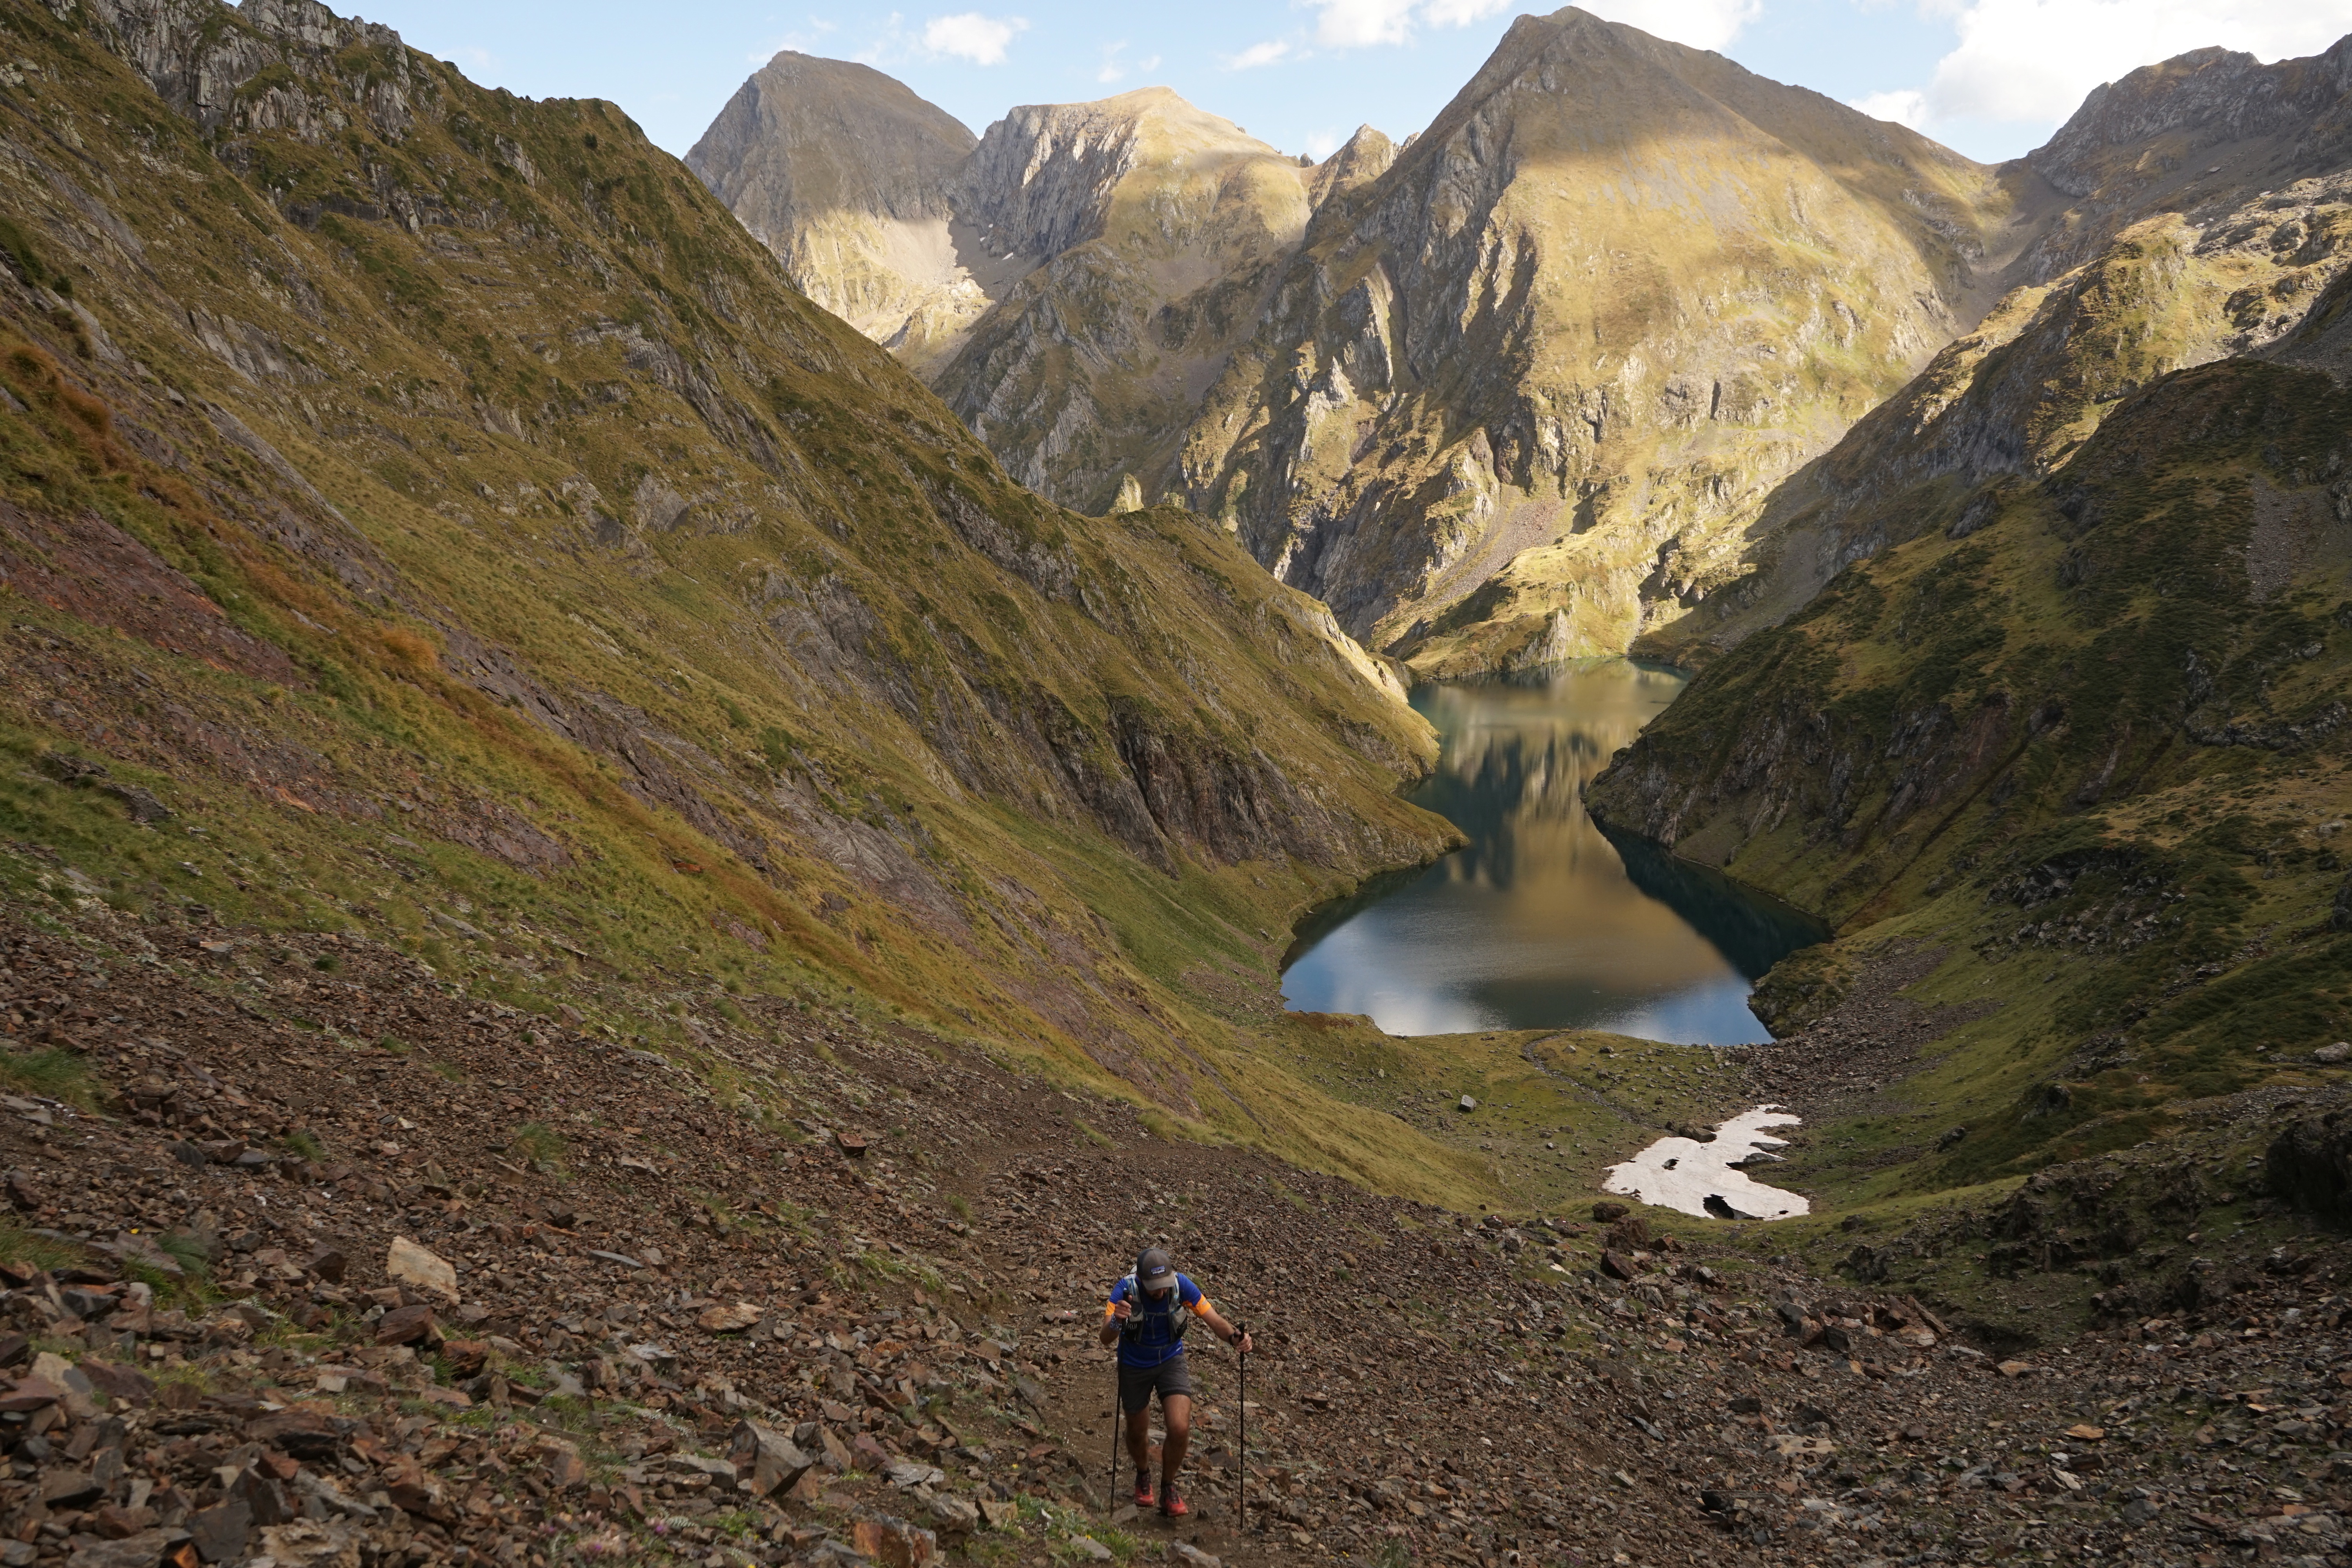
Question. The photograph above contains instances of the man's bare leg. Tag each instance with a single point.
(1176, 1409)
(1138, 1440)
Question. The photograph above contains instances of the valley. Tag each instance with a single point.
(651, 812)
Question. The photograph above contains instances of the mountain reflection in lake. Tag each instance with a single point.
(1542, 922)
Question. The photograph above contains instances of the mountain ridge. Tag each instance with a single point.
(1076, 399)
(465, 537)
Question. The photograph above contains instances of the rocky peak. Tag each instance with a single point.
(2191, 103)
(197, 55)
(806, 135)
(1501, 357)
(1365, 158)
(1044, 177)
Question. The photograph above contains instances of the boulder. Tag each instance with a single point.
(772, 1460)
(954, 1515)
(407, 1326)
(893, 1542)
(2309, 1164)
(144, 1550)
(221, 1531)
(728, 1320)
(406, 1263)
(123, 1383)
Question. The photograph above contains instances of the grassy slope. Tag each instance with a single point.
(431, 660)
(2093, 753)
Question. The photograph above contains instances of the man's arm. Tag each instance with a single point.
(1115, 1317)
(1224, 1330)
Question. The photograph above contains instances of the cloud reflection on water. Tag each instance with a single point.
(1536, 924)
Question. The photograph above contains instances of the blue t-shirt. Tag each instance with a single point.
(1148, 1339)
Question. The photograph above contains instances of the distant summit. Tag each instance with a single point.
(1560, 375)
(844, 174)
(1070, 282)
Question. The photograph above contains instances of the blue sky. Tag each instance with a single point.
(1992, 77)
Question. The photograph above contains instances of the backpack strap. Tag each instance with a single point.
(1134, 1300)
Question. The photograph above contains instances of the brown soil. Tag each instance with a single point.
(1427, 1388)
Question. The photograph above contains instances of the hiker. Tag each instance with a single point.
(1147, 1316)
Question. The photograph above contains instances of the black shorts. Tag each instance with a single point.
(1137, 1384)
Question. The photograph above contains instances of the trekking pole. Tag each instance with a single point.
(1240, 1332)
(1111, 1498)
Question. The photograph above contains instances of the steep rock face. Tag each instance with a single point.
(1522, 395)
(2208, 105)
(845, 175)
(1071, 283)
(1365, 157)
(2175, 260)
(1162, 228)
(464, 488)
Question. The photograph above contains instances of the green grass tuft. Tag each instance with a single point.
(53, 1074)
(540, 1145)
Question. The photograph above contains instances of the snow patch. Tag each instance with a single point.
(1698, 1178)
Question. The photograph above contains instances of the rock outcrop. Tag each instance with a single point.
(1070, 283)
(1617, 291)
(2222, 231)
(1521, 397)
(1159, 228)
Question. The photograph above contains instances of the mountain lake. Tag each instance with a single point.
(1542, 920)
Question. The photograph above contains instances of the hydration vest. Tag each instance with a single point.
(1180, 1316)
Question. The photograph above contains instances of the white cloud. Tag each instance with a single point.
(1358, 24)
(1700, 24)
(969, 35)
(1257, 55)
(800, 41)
(1459, 13)
(1321, 144)
(1905, 105)
(1353, 24)
(1115, 69)
(2031, 62)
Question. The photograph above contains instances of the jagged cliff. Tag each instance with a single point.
(435, 513)
(1617, 291)
(1086, 269)
(1571, 373)
(1159, 228)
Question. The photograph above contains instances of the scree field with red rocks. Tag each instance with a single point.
(448, 1283)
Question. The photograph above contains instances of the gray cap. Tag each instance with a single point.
(1153, 1270)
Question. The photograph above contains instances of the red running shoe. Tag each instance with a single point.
(1174, 1505)
(1143, 1498)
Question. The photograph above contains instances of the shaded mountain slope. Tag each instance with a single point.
(438, 505)
(2211, 219)
(2079, 760)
